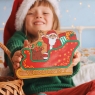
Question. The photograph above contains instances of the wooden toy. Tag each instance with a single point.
(50, 55)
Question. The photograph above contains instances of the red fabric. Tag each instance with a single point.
(51, 31)
(83, 89)
(10, 27)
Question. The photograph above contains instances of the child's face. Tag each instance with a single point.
(39, 18)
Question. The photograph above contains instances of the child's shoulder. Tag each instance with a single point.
(18, 33)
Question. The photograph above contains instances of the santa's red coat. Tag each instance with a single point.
(57, 43)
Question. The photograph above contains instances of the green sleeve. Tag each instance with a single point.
(75, 70)
(15, 43)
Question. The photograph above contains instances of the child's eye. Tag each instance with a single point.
(30, 14)
(45, 13)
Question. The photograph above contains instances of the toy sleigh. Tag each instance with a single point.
(50, 55)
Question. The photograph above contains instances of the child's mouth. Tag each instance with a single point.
(39, 23)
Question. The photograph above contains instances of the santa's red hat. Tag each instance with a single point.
(51, 32)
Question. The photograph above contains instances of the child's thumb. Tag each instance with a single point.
(26, 43)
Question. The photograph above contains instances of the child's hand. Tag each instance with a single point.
(18, 56)
(16, 59)
(76, 58)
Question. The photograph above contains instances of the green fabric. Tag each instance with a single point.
(36, 85)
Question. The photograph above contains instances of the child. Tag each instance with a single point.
(34, 15)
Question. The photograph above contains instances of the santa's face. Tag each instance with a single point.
(53, 36)
(52, 39)
(39, 18)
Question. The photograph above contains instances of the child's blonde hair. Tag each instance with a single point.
(56, 25)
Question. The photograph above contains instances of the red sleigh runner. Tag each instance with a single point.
(50, 55)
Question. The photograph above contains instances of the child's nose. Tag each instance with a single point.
(38, 15)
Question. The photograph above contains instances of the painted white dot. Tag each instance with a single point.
(80, 3)
(3, 23)
(74, 18)
(88, 6)
(5, 8)
(67, 11)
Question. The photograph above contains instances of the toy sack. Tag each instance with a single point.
(50, 55)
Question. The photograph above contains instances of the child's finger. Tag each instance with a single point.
(26, 43)
(17, 53)
(77, 54)
(16, 59)
(16, 65)
(76, 58)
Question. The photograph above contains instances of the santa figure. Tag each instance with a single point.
(51, 40)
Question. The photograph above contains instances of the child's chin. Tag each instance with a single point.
(40, 27)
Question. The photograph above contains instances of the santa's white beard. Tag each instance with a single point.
(52, 42)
